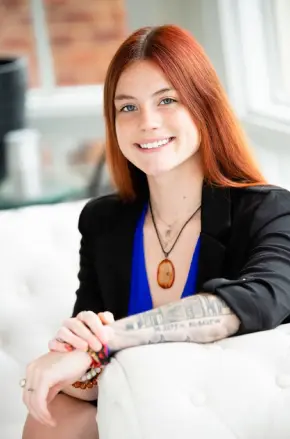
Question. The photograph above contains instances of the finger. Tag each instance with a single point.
(106, 317)
(52, 393)
(26, 395)
(75, 334)
(94, 323)
(28, 401)
(82, 330)
(38, 399)
(57, 346)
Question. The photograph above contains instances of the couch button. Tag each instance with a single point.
(198, 399)
(283, 380)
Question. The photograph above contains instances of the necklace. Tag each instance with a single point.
(169, 227)
(166, 270)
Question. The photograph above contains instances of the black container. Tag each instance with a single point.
(13, 86)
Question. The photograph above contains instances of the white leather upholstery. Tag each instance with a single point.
(38, 277)
(237, 388)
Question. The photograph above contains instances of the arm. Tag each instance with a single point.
(88, 296)
(257, 300)
(202, 318)
(260, 295)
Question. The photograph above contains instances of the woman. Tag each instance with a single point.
(195, 246)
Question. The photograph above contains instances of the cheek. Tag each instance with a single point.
(123, 127)
(120, 132)
(191, 131)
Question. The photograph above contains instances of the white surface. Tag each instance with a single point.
(237, 388)
(38, 278)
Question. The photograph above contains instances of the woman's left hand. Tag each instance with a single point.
(86, 330)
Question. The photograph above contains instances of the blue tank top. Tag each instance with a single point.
(140, 296)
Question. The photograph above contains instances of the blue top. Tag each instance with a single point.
(140, 296)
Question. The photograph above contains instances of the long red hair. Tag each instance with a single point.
(226, 157)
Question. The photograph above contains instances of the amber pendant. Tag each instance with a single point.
(165, 274)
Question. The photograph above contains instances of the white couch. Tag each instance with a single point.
(237, 388)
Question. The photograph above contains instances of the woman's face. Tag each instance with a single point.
(155, 131)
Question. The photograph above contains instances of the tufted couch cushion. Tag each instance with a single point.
(236, 388)
(38, 277)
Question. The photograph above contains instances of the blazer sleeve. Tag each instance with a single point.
(88, 295)
(260, 297)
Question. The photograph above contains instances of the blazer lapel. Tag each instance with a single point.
(215, 227)
(117, 246)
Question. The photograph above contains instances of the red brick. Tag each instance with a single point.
(84, 35)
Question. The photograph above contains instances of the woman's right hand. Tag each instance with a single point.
(86, 330)
(49, 374)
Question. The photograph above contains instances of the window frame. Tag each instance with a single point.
(250, 82)
(50, 100)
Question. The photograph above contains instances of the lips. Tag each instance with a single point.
(155, 144)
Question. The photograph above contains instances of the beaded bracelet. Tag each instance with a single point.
(89, 379)
(101, 357)
(99, 361)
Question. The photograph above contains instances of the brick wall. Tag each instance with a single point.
(84, 34)
(16, 33)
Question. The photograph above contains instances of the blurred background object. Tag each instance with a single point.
(68, 46)
(13, 87)
(59, 51)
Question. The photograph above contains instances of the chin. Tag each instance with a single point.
(155, 171)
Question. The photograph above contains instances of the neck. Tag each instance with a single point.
(177, 193)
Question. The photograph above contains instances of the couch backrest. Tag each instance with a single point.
(39, 257)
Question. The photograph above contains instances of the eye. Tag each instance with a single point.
(128, 108)
(167, 101)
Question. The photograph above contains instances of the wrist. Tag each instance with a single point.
(87, 359)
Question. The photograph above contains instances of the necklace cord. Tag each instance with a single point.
(166, 254)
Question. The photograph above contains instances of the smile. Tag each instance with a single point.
(155, 145)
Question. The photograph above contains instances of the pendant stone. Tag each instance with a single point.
(165, 274)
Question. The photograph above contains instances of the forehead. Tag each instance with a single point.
(142, 77)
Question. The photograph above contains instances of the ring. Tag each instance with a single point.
(22, 382)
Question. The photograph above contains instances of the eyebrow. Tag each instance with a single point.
(121, 97)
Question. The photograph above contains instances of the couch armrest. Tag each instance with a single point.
(237, 387)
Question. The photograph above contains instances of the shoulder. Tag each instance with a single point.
(261, 203)
(104, 212)
(267, 194)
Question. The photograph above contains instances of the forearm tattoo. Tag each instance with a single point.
(202, 318)
(200, 309)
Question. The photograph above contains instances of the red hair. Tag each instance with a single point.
(226, 157)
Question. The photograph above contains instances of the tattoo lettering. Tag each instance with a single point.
(147, 319)
(193, 308)
(201, 319)
(204, 322)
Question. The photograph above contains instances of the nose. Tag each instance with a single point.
(149, 119)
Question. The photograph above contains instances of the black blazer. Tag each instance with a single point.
(244, 253)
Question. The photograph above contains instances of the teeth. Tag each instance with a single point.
(155, 144)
